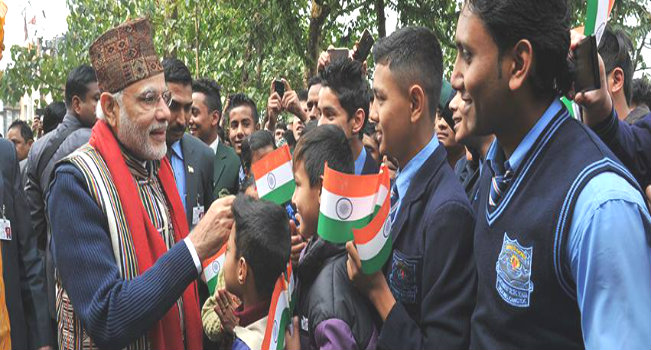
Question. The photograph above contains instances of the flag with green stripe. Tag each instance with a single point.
(374, 240)
(596, 17)
(347, 203)
(211, 268)
(280, 311)
(274, 179)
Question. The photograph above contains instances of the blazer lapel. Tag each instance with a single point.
(220, 159)
(417, 188)
(191, 177)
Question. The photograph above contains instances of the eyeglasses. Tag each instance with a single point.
(149, 99)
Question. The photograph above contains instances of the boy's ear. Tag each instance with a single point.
(242, 270)
(320, 189)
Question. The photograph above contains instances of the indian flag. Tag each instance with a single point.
(279, 312)
(374, 240)
(211, 268)
(347, 202)
(597, 15)
(273, 175)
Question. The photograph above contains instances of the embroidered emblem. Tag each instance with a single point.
(403, 277)
(513, 267)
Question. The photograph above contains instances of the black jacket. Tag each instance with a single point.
(22, 266)
(45, 152)
(326, 296)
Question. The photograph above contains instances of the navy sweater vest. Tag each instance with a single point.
(526, 295)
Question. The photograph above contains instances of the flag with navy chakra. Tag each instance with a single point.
(211, 268)
(374, 240)
(347, 203)
(274, 179)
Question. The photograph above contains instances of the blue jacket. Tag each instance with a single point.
(431, 271)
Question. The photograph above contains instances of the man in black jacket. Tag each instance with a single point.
(22, 270)
(81, 97)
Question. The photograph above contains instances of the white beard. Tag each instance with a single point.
(137, 141)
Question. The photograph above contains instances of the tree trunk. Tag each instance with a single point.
(381, 19)
(317, 17)
(197, 73)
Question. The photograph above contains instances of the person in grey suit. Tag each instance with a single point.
(22, 265)
(81, 95)
(190, 158)
(204, 123)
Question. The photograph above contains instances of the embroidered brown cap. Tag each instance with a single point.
(124, 55)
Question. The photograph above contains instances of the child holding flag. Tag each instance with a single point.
(257, 253)
(332, 314)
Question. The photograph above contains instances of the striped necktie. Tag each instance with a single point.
(499, 185)
(394, 203)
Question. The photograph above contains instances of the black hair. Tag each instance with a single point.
(326, 143)
(288, 135)
(212, 93)
(53, 116)
(545, 24)
(641, 92)
(315, 80)
(258, 140)
(176, 72)
(344, 77)
(302, 95)
(413, 55)
(281, 125)
(25, 131)
(615, 48)
(77, 83)
(310, 125)
(369, 129)
(262, 237)
(241, 99)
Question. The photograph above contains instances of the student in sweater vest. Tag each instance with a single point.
(426, 293)
(562, 232)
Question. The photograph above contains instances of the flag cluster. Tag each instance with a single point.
(356, 208)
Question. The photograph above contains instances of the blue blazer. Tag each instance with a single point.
(431, 271)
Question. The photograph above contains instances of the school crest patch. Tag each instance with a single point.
(513, 267)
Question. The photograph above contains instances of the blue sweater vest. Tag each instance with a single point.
(526, 296)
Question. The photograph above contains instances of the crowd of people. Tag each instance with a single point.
(514, 224)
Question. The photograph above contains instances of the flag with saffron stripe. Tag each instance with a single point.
(374, 240)
(347, 203)
(596, 17)
(211, 268)
(280, 311)
(273, 175)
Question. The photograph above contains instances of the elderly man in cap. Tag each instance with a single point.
(126, 264)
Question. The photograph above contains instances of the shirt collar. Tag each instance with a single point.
(496, 155)
(359, 162)
(176, 149)
(214, 145)
(405, 174)
(250, 314)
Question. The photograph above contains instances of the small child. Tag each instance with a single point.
(333, 315)
(257, 253)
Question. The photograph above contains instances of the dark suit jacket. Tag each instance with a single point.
(370, 166)
(434, 275)
(23, 273)
(197, 161)
(226, 170)
(630, 143)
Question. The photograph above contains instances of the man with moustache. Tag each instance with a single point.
(191, 159)
(126, 265)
